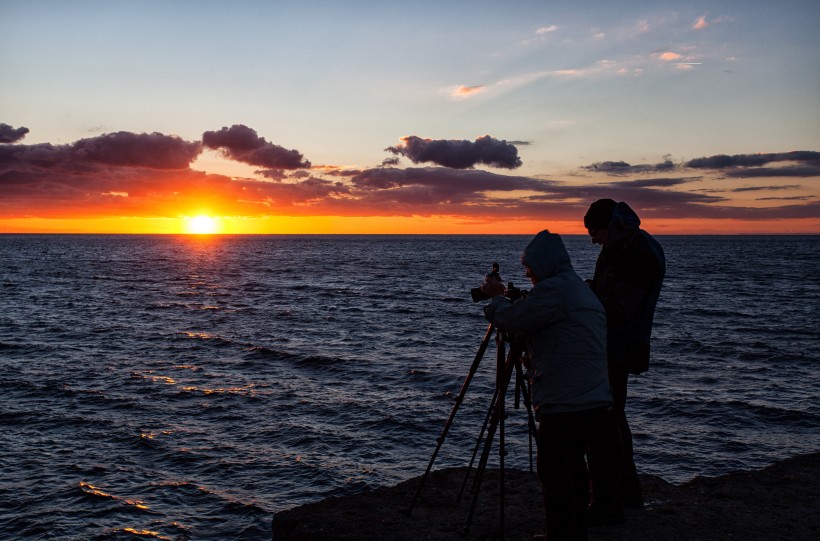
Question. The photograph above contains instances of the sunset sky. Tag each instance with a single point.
(408, 117)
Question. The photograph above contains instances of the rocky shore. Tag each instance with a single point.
(778, 502)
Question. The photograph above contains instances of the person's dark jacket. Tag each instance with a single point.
(628, 277)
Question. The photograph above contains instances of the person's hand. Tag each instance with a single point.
(492, 288)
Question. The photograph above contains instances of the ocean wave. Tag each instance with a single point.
(228, 379)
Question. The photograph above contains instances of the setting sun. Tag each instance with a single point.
(202, 225)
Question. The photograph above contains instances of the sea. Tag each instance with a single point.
(189, 387)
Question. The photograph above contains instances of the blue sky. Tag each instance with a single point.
(569, 84)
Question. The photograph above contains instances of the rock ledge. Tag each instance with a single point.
(780, 501)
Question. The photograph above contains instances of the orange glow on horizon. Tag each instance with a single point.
(408, 225)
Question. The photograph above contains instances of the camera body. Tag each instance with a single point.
(511, 292)
(514, 293)
(478, 295)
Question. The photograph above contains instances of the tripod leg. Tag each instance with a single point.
(503, 382)
(526, 391)
(502, 453)
(493, 415)
(478, 441)
(464, 386)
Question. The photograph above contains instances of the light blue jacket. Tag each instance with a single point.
(564, 327)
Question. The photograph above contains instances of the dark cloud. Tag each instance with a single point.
(79, 179)
(792, 198)
(40, 155)
(723, 161)
(336, 172)
(123, 149)
(765, 188)
(273, 174)
(623, 168)
(459, 154)
(737, 166)
(740, 165)
(10, 134)
(808, 210)
(388, 162)
(436, 190)
(474, 193)
(655, 182)
(137, 149)
(448, 179)
(242, 144)
(804, 171)
(306, 194)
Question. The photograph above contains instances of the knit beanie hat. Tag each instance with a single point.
(599, 214)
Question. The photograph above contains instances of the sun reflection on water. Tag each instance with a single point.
(250, 390)
(92, 490)
(144, 533)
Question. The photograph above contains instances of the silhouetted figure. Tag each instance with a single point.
(564, 328)
(628, 277)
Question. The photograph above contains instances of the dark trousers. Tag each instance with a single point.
(614, 478)
(563, 439)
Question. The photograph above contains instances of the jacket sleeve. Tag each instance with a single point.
(525, 316)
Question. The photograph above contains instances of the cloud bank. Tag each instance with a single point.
(150, 175)
(801, 163)
(722, 161)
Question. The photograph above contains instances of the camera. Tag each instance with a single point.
(511, 292)
(493, 276)
(478, 295)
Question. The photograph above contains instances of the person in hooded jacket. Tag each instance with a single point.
(563, 326)
(628, 276)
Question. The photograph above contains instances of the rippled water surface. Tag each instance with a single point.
(161, 387)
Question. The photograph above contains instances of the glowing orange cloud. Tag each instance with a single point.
(467, 91)
(669, 56)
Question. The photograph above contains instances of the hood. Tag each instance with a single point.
(546, 255)
(623, 223)
(624, 217)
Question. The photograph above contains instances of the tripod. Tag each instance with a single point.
(506, 364)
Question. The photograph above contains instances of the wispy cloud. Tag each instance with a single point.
(509, 84)
(765, 188)
(642, 26)
(700, 23)
(461, 92)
